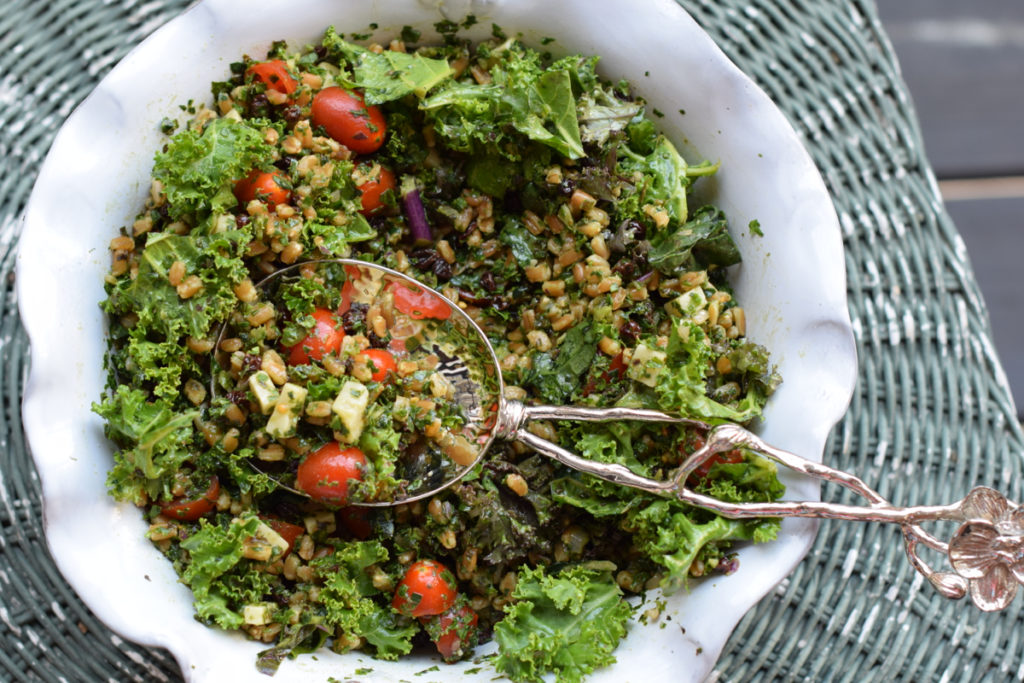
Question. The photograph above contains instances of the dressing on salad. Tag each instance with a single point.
(540, 198)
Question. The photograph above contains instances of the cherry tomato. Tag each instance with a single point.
(274, 74)
(268, 187)
(616, 369)
(357, 521)
(456, 630)
(289, 532)
(348, 289)
(383, 363)
(325, 338)
(191, 510)
(325, 473)
(427, 588)
(418, 303)
(372, 191)
(349, 120)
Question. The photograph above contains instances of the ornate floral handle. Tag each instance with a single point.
(986, 552)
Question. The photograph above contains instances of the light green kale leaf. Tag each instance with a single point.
(198, 169)
(566, 623)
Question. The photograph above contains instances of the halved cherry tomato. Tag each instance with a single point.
(357, 521)
(417, 303)
(263, 185)
(616, 369)
(697, 441)
(427, 588)
(274, 74)
(348, 289)
(456, 630)
(372, 190)
(383, 363)
(191, 510)
(289, 532)
(325, 338)
(349, 120)
(325, 473)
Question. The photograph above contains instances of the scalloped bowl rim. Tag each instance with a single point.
(95, 177)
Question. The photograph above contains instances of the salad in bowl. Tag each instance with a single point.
(250, 427)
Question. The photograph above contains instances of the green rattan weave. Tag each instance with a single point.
(931, 416)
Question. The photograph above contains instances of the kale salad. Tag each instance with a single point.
(251, 421)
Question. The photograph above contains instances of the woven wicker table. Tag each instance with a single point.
(931, 417)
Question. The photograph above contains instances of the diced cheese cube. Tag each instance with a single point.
(646, 365)
(285, 416)
(256, 615)
(274, 539)
(688, 303)
(264, 390)
(350, 407)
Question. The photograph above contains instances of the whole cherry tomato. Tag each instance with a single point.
(418, 303)
(371, 191)
(456, 631)
(263, 185)
(325, 473)
(349, 120)
(427, 588)
(383, 363)
(189, 510)
(325, 338)
(274, 74)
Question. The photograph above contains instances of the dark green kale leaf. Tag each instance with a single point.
(538, 103)
(198, 170)
(556, 377)
(701, 242)
(526, 247)
(566, 623)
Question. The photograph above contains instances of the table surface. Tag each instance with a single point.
(931, 416)
(963, 64)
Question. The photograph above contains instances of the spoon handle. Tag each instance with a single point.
(986, 552)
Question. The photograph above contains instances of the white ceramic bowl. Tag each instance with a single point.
(95, 179)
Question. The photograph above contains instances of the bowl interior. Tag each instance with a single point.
(95, 179)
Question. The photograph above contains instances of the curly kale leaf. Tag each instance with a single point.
(567, 623)
(155, 439)
(536, 102)
(388, 75)
(347, 595)
(214, 551)
(198, 169)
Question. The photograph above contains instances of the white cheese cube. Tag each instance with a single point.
(285, 416)
(688, 303)
(350, 407)
(646, 365)
(256, 615)
(263, 388)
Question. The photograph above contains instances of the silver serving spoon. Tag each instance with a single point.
(986, 552)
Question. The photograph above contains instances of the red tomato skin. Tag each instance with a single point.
(371, 191)
(419, 304)
(457, 628)
(427, 588)
(696, 442)
(273, 74)
(325, 338)
(383, 361)
(262, 185)
(192, 510)
(349, 120)
(325, 473)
